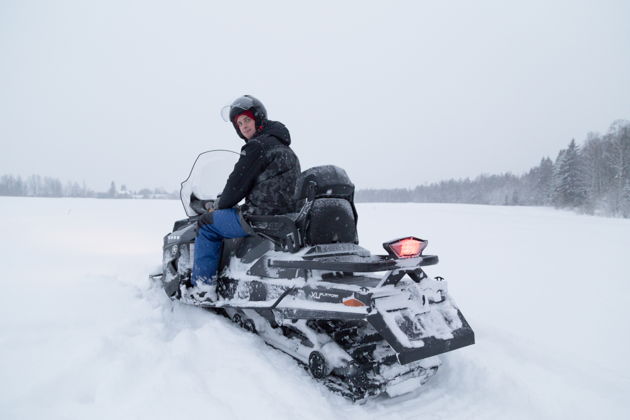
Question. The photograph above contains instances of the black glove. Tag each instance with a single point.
(205, 219)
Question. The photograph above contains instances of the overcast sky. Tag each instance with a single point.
(397, 93)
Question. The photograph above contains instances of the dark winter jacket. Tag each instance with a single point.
(265, 174)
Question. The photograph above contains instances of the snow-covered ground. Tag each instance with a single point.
(84, 333)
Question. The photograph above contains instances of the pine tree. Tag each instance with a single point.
(599, 173)
(570, 189)
(544, 182)
(618, 159)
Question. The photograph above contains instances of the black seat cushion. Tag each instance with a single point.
(331, 220)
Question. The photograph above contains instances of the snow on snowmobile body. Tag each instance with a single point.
(363, 324)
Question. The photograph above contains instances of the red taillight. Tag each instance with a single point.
(406, 247)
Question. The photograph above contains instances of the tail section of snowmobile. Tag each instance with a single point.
(363, 324)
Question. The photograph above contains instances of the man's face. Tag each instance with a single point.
(246, 125)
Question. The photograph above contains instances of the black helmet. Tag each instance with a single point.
(242, 104)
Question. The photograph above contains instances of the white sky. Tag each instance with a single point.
(397, 93)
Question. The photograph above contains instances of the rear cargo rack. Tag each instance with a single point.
(376, 263)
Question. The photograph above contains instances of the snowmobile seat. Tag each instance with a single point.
(281, 229)
(325, 198)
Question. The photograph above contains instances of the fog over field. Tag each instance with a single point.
(130, 92)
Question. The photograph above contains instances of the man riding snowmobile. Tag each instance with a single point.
(265, 175)
(295, 274)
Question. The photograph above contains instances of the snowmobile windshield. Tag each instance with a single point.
(241, 104)
(207, 177)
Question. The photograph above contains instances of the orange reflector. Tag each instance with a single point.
(353, 302)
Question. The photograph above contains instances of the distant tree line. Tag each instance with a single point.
(592, 178)
(44, 186)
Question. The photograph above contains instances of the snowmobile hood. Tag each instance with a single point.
(275, 129)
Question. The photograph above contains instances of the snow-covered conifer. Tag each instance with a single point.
(569, 188)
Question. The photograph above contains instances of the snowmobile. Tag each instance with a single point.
(362, 324)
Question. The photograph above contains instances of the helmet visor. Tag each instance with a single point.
(225, 113)
(238, 106)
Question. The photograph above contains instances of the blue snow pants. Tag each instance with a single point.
(225, 224)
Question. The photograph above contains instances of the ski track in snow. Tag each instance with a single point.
(85, 334)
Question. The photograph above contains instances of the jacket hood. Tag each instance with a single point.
(275, 129)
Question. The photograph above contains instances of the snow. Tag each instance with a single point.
(85, 334)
